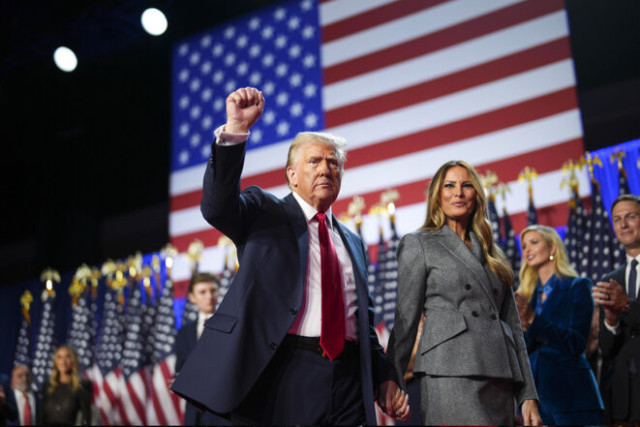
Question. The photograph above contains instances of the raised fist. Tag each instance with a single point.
(244, 108)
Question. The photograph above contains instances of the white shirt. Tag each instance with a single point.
(307, 322)
(20, 404)
(200, 325)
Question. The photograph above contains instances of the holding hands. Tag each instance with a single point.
(244, 108)
(393, 401)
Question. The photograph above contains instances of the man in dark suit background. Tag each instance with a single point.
(203, 292)
(21, 402)
(270, 354)
(619, 337)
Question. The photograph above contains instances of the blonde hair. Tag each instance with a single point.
(478, 221)
(561, 266)
(54, 376)
(338, 143)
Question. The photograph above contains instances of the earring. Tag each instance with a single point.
(551, 257)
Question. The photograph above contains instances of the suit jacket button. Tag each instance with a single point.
(273, 346)
(467, 287)
(494, 317)
(293, 311)
(474, 313)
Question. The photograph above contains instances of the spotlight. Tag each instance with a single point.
(153, 21)
(65, 59)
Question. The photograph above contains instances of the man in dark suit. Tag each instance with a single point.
(293, 340)
(24, 403)
(203, 293)
(619, 338)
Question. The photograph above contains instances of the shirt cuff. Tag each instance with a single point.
(228, 138)
(613, 329)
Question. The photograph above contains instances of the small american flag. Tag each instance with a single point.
(494, 220)
(46, 342)
(532, 214)
(576, 230)
(376, 284)
(23, 348)
(388, 270)
(81, 336)
(511, 249)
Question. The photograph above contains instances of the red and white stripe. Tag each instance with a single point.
(106, 396)
(164, 407)
(134, 394)
(414, 84)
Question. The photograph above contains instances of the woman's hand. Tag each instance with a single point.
(524, 310)
(530, 413)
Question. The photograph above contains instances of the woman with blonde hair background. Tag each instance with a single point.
(66, 397)
(556, 309)
(472, 360)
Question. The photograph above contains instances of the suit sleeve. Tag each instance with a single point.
(412, 282)
(571, 338)
(182, 349)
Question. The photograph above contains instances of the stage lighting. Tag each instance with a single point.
(65, 59)
(153, 21)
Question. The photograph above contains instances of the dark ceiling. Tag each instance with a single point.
(85, 159)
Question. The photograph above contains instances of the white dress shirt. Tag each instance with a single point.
(20, 404)
(200, 325)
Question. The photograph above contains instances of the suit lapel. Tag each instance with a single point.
(558, 295)
(300, 231)
(470, 258)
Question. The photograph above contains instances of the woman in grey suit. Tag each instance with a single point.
(472, 360)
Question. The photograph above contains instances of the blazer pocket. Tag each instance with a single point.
(440, 326)
(221, 322)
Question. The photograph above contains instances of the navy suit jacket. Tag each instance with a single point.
(556, 341)
(11, 403)
(185, 343)
(620, 380)
(271, 236)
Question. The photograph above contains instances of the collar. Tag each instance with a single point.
(203, 317)
(630, 258)
(309, 211)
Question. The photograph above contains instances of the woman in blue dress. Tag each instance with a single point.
(556, 309)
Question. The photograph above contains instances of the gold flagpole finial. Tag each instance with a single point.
(145, 274)
(134, 265)
(25, 301)
(528, 175)
(79, 283)
(618, 155)
(502, 189)
(169, 252)
(356, 206)
(488, 182)
(194, 253)
(387, 201)
(591, 160)
(48, 277)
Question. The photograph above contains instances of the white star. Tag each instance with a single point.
(183, 130)
(269, 88)
(294, 23)
(206, 67)
(194, 85)
(218, 104)
(294, 51)
(256, 136)
(183, 76)
(255, 78)
(206, 41)
(230, 86)
(295, 80)
(207, 94)
(242, 68)
(206, 151)
(206, 122)
(183, 49)
(254, 23)
(218, 76)
(281, 41)
(283, 128)
(306, 4)
(229, 32)
(254, 50)
(194, 58)
(268, 60)
(184, 102)
(309, 61)
(217, 50)
(308, 32)
(230, 59)
(242, 41)
(310, 120)
(282, 69)
(269, 117)
(296, 109)
(184, 157)
(267, 32)
(282, 98)
(280, 14)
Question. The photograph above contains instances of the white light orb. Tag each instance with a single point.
(65, 59)
(153, 21)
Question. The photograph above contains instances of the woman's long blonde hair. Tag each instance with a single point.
(54, 376)
(478, 221)
(561, 266)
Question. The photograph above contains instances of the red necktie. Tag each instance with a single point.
(27, 418)
(332, 322)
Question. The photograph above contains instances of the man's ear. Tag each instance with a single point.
(192, 299)
(291, 174)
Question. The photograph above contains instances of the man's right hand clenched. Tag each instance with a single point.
(244, 108)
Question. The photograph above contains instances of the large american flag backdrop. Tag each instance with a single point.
(410, 85)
